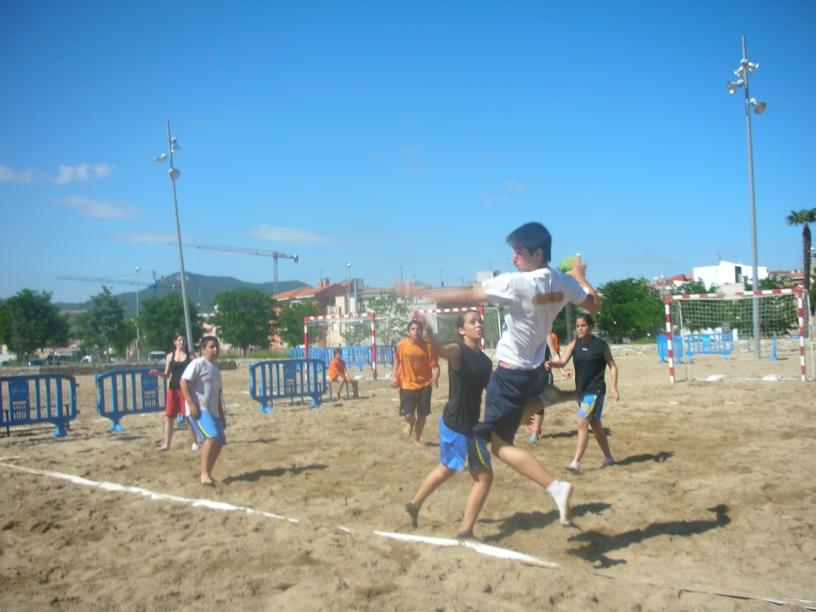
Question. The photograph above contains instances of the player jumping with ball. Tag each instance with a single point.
(531, 299)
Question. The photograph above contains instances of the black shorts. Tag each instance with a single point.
(507, 394)
(418, 401)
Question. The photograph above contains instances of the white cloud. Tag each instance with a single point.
(7, 175)
(146, 238)
(102, 210)
(514, 185)
(82, 173)
(287, 234)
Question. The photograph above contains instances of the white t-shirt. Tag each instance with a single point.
(531, 301)
(205, 384)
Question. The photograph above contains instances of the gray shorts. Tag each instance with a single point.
(418, 401)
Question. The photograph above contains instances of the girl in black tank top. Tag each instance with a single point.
(469, 371)
(174, 366)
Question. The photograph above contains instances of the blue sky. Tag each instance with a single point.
(397, 136)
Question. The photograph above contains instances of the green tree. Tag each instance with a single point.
(161, 318)
(290, 323)
(104, 325)
(244, 317)
(630, 308)
(693, 287)
(391, 315)
(29, 321)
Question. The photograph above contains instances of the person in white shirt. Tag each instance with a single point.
(531, 298)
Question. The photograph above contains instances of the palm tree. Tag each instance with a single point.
(804, 218)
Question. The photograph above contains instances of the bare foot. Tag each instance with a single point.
(406, 433)
(417, 442)
(207, 481)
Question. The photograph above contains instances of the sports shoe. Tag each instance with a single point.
(467, 535)
(574, 466)
(194, 447)
(562, 496)
(607, 462)
(413, 511)
(533, 438)
(164, 447)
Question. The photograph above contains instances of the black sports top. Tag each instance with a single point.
(465, 395)
(176, 370)
(590, 366)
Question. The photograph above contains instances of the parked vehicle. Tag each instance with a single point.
(37, 361)
(157, 356)
(87, 359)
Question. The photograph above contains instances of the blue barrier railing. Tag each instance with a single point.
(663, 349)
(39, 398)
(709, 344)
(354, 356)
(287, 378)
(128, 392)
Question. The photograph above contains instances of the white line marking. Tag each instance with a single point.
(112, 486)
(484, 549)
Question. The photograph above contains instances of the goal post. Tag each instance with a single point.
(362, 318)
(712, 333)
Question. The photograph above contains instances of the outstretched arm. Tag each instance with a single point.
(560, 363)
(464, 296)
(166, 374)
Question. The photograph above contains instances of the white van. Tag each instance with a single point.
(157, 356)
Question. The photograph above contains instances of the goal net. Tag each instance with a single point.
(713, 336)
(443, 321)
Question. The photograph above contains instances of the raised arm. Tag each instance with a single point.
(592, 303)
(451, 352)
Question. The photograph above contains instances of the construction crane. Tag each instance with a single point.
(115, 281)
(246, 251)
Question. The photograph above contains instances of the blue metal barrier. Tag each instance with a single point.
(52, 403)
(287, 378)
(130, 392)
(663, 349)
(709, 344)
(357, 356)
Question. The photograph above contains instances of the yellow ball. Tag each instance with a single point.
(566, 263)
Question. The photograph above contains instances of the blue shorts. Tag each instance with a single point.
(206, 427)
(460, 452)
(507, 394)
(591, 407)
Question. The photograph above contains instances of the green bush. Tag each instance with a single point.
(646, 340)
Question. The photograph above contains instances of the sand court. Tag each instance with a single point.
(709, 505)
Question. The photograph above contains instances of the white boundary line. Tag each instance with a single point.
(111, 486)
(492, 551)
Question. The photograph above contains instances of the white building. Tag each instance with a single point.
(728, 275)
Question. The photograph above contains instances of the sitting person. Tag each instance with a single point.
(338, 374)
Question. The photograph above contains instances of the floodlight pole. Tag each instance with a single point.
(754, 256)
(174, 174)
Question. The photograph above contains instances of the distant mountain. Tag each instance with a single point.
(201, 290)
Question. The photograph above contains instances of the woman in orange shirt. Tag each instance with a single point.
(415, 373)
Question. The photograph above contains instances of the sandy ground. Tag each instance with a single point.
(712, 495)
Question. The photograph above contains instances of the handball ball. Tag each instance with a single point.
(566, 263)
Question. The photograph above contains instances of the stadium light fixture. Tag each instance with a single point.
(172, 147)
(743, 71)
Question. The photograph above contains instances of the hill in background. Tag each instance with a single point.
(201, 290)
